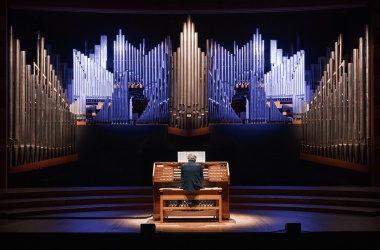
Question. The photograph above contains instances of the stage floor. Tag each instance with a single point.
(240, 221)
(246, 229)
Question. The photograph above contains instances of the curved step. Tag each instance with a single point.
(50, 201)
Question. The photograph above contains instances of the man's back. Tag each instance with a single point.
(191, 176)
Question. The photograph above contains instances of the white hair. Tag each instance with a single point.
(191, 157)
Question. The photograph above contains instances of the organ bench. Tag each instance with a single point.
(178, 194)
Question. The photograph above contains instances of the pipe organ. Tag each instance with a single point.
(156, 75)
(272, 112)
(250, 72)
(40, 124)
(221, 84)
(132, 67)
(116, 107)
(188, 104)
(188, 88)
(286, 79)
(128, 71)
(315, 74)
(337, 124)
(93, 83)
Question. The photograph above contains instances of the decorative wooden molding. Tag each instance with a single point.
(335, 162)
(192, 132)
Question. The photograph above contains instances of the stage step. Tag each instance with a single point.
(324, 199)
(24, 202)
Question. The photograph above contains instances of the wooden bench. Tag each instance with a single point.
(178, 194)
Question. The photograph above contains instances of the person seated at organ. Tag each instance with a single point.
(191, 176)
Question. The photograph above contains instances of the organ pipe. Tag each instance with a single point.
(188, 88)
(41, 125)
(189, 78)
(337, 123)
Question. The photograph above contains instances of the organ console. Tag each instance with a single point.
(168, 175)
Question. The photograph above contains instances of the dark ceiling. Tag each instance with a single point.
(295, 24)
(183, 6)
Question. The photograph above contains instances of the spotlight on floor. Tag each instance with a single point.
(148, 228)
(293, 227)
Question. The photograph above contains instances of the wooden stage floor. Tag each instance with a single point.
(240, 221)
(263, 229)
(246, 228)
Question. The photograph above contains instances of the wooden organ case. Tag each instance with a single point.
(168, 175)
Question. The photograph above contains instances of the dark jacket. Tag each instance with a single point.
(191, 176)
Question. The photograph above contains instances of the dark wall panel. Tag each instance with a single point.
(258, 154)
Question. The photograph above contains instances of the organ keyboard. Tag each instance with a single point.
(168, 175)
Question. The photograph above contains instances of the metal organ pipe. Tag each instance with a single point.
(92, 82)
(189, 74)
(286, 80)
(156, 87)
(250, 69)
(41, 125)
(339, 109)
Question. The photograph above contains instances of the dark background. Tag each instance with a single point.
(258, 154)
(312, 31)
(266, 154)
